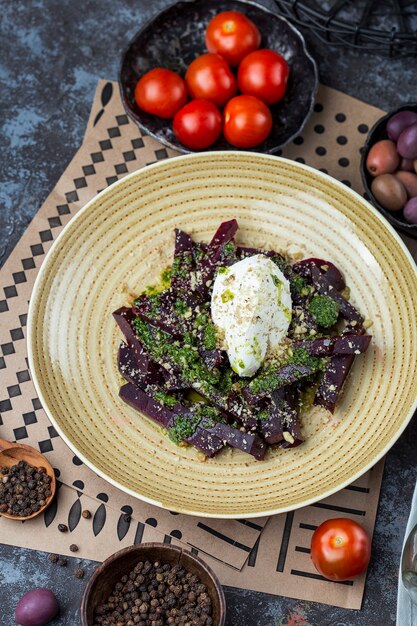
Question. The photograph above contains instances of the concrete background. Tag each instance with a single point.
(52, 53)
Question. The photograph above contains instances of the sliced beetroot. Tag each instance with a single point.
(224, 234)
(316, 347)
(272, 425)
(332, 381)
(332, 273)
(290, 404)
(346, 344)
(125, 318)
(205, 440)
(247, 442)
(141, 401)
(286, 375)
(216, 255)
(242, 252)
(160, 311)
(130, 366)
(325, 288)
(351, 344)
(212, 358)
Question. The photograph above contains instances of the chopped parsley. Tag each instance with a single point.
(165, 399)
(210, 336)
(299, 285)
(181, 306)
(324, 310)
(184, 427)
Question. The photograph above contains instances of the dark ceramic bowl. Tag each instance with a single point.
(176, 37)
(378, 132)
(102, 582)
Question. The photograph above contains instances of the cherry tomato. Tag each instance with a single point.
(209, 77)
(247, 121)
(232, 35)
(161, 92)
(340, 549)
(198, 125)
(264, 74)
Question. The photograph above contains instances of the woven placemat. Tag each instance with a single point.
(274, 561)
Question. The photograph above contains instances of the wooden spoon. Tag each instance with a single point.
(11, 454)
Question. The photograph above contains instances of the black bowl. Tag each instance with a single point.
(378, 132)
(175, 37)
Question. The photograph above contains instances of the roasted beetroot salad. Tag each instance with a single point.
(179, 365)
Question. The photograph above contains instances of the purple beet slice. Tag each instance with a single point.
(283, 376)
(216, 255)
(325, 288)
(247, 442)
(224, 234)
(346, 344)
(332, 381)
(272, 425)
(289, 404)
(160, 311)
(206, 441)
(141, 401)
(124, 318)
(333, 275)
(129, 367)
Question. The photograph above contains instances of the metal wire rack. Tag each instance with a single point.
(380, 26)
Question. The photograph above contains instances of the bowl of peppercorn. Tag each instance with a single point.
(153, 583)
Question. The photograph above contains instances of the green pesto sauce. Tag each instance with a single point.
(181, 306)
(181, 265)
(165, 399)
(198, 254)
(299, 285)
(226, 381)
(263, 415)
(268, 380)
(183, 428)
(324, 310)
(229, 248)
(227, 295)
(279, 262)
(153, 339)
(223, 270)
(210, 336)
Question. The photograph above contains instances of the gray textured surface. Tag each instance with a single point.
(52, 54)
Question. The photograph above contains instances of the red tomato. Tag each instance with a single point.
(232, 35)
(161, 92)
(209, 77)
(340, 549)
(247, 121)
(264, 74)
(198, 125)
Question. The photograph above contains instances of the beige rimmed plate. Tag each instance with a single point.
(118, 244)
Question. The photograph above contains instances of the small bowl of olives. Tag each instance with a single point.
(389, 167)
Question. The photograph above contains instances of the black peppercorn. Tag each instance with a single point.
(63, 528)
(86, 514)
(23, 489)
(79, 573)
(73, 547)
(155, 594)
